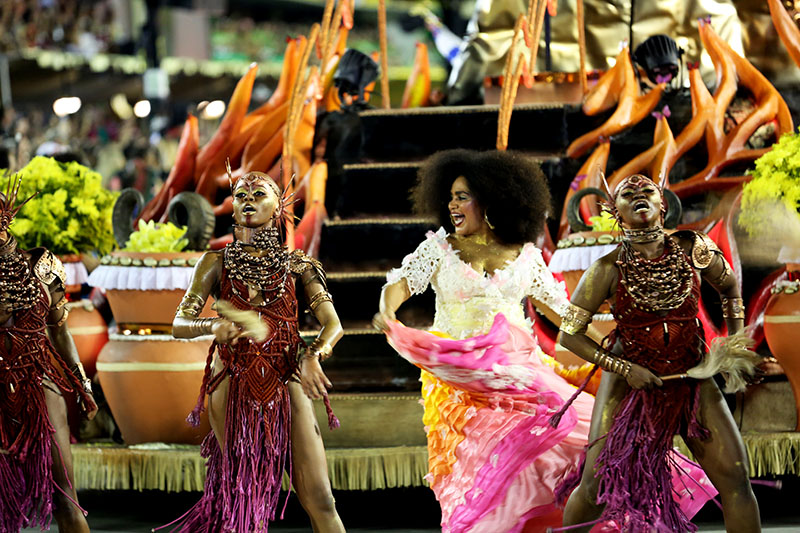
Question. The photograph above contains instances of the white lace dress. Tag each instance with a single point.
(489, 392)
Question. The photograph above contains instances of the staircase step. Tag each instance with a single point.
(414, 133)
(356, 295)
(364, 361)
(378, 243)
(376, 188)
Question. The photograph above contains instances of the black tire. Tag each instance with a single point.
(128, 206)
(674, 210)
(573, 208)
(193, 211)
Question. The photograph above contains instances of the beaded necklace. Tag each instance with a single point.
(18, 288)
(660, 284)
(266, 272)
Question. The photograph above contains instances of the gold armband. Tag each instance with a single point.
(611, 363)
(732, 307)
(61, 305)
(79, 372)
(723, 276)
(575, 320)
(318, 299)
(191, 305)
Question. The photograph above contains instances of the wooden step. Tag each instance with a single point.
(375, 188)
(376, 243)
(405, 134)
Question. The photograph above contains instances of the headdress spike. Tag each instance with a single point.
(228, 170)
(606, 188)
(663, 180)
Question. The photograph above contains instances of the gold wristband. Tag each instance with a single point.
(191, 305)
(79, 372)
(611, 363)
(575, 320)
(318, 348)
(732, 307)
(201, 326)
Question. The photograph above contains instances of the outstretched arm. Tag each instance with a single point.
(594, 288)
(187, 324)
(392, 297)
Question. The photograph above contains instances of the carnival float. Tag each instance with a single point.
(724, 143)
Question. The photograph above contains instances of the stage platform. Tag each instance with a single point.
(179, 468)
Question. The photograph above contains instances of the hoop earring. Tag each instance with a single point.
(486, 219)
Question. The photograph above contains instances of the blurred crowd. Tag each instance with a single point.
(83, 26)
(122, 151)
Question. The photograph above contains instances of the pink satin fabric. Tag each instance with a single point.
(508, 458)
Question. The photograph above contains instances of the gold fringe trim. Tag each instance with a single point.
(767, 453)
(179, 468)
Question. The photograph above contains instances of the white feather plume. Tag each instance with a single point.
(251, 324)
(732, 357)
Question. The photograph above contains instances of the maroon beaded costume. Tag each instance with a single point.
(243, 481)
(634, 466)
(28, 363)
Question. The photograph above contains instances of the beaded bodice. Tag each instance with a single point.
(466, 300)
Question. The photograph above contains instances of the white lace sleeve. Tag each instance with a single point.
(420, 265)
(544, 286)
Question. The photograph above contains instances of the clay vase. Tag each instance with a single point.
(89, 331)
(137, 310)
(782, 329)
(87, 326)
(151, 383)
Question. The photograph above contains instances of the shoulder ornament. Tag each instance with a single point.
(48, 267)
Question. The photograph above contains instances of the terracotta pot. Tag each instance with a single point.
(149, 307)
(782, 331)
(151, 383)
(89, 331)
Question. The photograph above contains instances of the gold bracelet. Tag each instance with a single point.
(190, 306)
(79, 372)
(611, 363)
(201, 326)
(732, 307)
(575, 320)
(319, 348)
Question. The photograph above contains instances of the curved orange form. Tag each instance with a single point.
(591, 168)
(266, 130)
(316, 184)
(656, 161)
(266, 157)
(786, 28)
(725, 149)
(606, 91)
(418, 86)
(304, 138)
(632, 107)
(231, 122)
(291, 62)
(181, 174)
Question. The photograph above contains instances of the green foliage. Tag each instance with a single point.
(153, 238)
(604, 222)
(776, 179)
(71, 213)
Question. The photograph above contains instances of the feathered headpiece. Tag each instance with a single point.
(7, 200)
(637, 181)
(255, 178)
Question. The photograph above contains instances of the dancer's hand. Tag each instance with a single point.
(226, 331)
(641, 378)
(89, 406)
(381, 320)
(312, 378)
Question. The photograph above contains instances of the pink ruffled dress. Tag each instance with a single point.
(489, 392)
